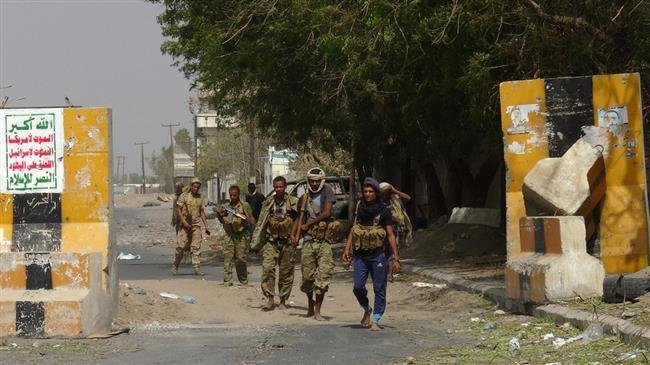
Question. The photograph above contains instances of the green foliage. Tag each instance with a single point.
(421, 75)
(161, 165)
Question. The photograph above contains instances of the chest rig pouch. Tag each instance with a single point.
(323, 230)
(279, 225)
(232, 223)
(367, 238)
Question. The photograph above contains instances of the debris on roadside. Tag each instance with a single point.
(419, 284)
(630, 355)
(185, 298)
(490, 326)
(128, 256)
(513, 344)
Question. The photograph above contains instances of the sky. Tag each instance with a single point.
(98, 53)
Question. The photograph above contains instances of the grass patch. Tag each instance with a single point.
(492, 345)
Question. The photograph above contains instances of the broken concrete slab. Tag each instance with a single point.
(546, 269)
(483, 216)
(570, 185)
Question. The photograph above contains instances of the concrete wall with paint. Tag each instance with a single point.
(58, 272)
(543, 118)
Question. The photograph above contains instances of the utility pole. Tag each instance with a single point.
(121, 160)
(171, 141)
(144, 181)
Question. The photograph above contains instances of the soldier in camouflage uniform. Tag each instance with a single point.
(190, 213)
(318, 230)
(236, 218)
(276, 219)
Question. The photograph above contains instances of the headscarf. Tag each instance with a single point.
(316, 173)
(370, 181)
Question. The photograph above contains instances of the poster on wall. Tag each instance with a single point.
(31, 151)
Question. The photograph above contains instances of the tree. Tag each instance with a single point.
(161, 167)
(393, 79)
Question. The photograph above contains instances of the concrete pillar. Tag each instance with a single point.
(553, 263)
(544, 118)
(58, 274)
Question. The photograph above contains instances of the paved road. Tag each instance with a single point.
(231, 343)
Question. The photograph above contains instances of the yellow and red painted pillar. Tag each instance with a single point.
(58, 272)
(544, 117)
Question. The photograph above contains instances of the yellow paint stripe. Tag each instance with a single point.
(70, 272)
(623, 225)
(6, 221)
(534, 144)
(86, 198)
(7, 318)
(62, 318)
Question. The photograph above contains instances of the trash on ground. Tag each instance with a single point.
(499, 312)
(188, 299)
(559, 341)
(419, 284)
(169, 295)
(629, 355)
(593, 332)
(490, 326)
(525, 324)
(136, 290)
(513, 344)
(128, 256)
(548, 336)
(440, 286)
(184, 298)
(151, 204)
(474, 319)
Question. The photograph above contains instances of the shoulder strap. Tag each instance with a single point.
(356, 211)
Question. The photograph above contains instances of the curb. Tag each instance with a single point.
(628, 332)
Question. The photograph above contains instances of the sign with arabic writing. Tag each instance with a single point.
(31, 151)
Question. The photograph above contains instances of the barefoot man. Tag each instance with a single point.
(316, 258)
(372, 225)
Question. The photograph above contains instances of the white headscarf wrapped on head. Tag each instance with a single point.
(316, 173)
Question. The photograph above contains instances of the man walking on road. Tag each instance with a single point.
(372, 225)
(255, 199)
(236, 217)
(276, 220)
(315, 226)
(190, 213)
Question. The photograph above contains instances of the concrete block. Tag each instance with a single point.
(569, 185)
(58, 273)
(483, 216)
(547, 268)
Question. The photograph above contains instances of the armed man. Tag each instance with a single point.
(237, 219)
(318, 230)
(273, 236)
(190, 212)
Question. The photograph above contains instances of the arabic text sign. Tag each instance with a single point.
(31, 151)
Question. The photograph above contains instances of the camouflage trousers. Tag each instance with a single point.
(277, 255)
(189, 241)
(317, 266)
(234, 249)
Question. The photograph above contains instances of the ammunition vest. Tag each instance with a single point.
(323, 230)
(280, 223)
(367, 238)
(193, 207)
(231, 222)
(397, 212)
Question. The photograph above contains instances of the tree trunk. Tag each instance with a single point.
(436, 198)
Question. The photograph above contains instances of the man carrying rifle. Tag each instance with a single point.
(190, 213)
(275, 224)
(318, 229)
(235, 216)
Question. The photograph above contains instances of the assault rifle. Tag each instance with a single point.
(235, 213)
